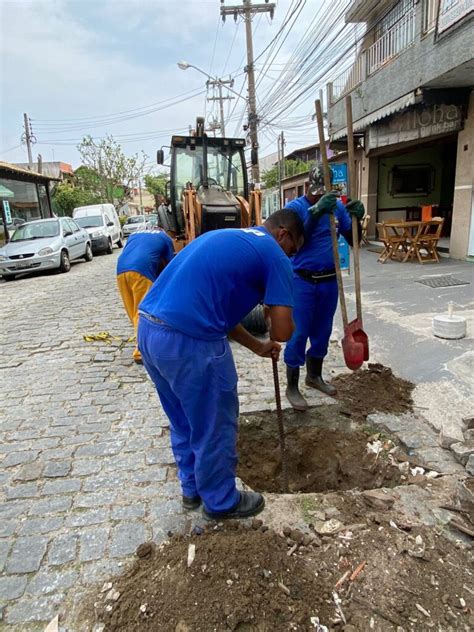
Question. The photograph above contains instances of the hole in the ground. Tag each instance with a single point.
(324, 454)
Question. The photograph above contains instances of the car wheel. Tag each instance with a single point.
(9, 277)
(120, 242)
(110, 247)
(65, 264)
(88, 256)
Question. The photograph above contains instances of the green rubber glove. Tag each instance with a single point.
(325, 206)
(356, 208)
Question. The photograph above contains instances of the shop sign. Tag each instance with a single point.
(8, 213)
(339, 171)
(339, 177)
(416, 125)
(344, 257)
(452, 11)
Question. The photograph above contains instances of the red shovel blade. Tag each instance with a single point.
(353, 352)
(354, 329)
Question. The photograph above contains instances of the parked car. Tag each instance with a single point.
(44, 244)
(103, 225)
(137, 222)
(151, 220)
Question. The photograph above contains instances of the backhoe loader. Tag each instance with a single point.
(208, 186)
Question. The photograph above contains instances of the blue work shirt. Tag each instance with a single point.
(218, 279)
(316, 254)
(146, 253)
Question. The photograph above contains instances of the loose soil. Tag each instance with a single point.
(244, 579)
(371, 390)
(319, 459)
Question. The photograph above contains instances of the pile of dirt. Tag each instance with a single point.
(319, 459)
(372, 390)
(250, 579)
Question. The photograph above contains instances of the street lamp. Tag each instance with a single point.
(184, 65)
(211, 81)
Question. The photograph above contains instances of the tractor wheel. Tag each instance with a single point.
(254, 322)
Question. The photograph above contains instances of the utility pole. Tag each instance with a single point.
(248, 10)
(29, 138)
(281, 165)
(219, 83)
(140, 191)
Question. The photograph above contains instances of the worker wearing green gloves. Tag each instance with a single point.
(315, 285)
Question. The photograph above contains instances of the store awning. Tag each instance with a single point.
(5, 193)
(387, 110)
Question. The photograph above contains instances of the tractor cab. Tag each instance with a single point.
(209, 181)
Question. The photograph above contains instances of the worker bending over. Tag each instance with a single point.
(141, 261)
(315, 285)
(185, 319)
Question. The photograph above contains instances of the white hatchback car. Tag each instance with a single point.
(134, 223)
(44, 244)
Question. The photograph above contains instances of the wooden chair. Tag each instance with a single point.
(428, 241)
(394, 243)
(365, 227)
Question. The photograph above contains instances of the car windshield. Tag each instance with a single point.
(36, 230)
(135, 220)
(90, 222)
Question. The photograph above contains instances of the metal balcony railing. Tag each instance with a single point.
(430, 13)
(392, 43)
(349, 79)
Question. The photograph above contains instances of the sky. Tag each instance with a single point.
(100, 67)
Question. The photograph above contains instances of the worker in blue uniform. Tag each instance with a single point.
(315, 285)
(145, 255)
(185, 319)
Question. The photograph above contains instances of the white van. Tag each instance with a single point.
(102, 223)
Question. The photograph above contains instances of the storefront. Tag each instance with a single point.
(412, 167)
(24, 196)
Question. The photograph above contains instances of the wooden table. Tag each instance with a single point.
(409, 240)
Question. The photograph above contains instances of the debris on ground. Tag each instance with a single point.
(372, 390)
(242, 578)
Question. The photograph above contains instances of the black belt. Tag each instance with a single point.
(316, 277)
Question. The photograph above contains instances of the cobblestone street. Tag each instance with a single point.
(85, 464)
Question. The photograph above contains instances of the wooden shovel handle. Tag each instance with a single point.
(352, 192)
(332, 219)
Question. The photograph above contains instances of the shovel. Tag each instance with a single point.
(352, 349)
(355, 327)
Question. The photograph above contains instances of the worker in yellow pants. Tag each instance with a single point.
(145, 255)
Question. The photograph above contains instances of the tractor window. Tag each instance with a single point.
(225, 168)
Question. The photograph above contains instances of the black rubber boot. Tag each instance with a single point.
(250, 504)
(293, 394)
(314, 378)
(191, 502)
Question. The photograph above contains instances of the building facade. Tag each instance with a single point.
(411, 87)
(24, 196)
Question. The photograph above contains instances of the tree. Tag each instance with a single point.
(292, 168)
(115, 170)
(89, 180)
(156, 185)
(66, 197)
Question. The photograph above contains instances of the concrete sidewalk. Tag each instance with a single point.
(397, 317)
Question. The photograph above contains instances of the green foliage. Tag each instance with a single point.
(122, 219)
(292, 168)
(106, 161)
(67, 197)
(156, 185)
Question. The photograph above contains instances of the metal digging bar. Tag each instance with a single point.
(281, 427)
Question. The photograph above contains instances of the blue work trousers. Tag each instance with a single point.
(196, 381)
(315, 306)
